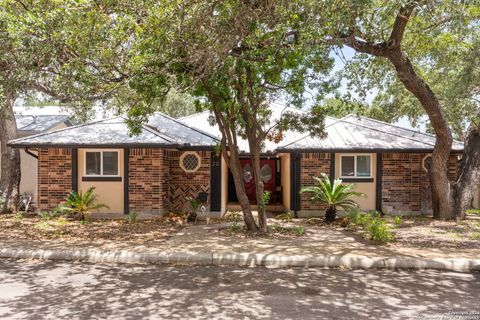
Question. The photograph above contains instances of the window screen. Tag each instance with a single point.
(348, 166)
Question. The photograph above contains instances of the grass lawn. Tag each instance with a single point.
(32, 227)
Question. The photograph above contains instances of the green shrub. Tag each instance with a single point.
(286, 216)
(18, 216)
(372, 224)
(473, 211)
(131, 217)
(49, 215)
(380, 232)
(82, 203)
(397, 220)
(296, 230)
(299, 230)
(475, 236)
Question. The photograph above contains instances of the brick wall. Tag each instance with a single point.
(312, 164)
(158, 184)
(148, 180)
(183, 184)
(54, 176)
(405, 185)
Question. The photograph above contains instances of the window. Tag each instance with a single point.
(356, 166)
(101, 163)
(190, 161)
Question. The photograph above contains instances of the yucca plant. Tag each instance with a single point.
(82, 203)
(333, 195)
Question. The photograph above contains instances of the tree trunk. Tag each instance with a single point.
(235, 168)
(469, 179)
(330, 214)
(10, 158)
(439, 183)
(229, 151)
(259, 189)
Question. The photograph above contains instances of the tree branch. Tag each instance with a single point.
(400, 24)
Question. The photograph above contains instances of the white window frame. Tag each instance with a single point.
(101, 163)
(355, 155)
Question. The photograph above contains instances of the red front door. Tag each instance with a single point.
(267, 173)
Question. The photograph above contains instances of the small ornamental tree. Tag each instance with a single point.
(332, 195)
(228, 56)
(82, 203)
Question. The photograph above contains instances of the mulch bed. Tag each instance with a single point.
(32, 227)
(425, 232)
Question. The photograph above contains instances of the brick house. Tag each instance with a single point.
(172, 159)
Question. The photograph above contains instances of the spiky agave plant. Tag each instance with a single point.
(333, 195)
(82, 203)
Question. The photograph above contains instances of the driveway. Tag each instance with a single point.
(53, 290)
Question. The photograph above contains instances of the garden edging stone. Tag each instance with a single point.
(244, 259)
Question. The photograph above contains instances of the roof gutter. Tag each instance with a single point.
(30, 153)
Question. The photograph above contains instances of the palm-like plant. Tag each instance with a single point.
(333, 195)
(82, 203)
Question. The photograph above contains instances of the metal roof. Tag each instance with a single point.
(354, 133)
(181, 132)
(161, 130)
(200, 121)
(39, 123)
(110, 132)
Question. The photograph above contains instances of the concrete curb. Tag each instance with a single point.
(246, 259)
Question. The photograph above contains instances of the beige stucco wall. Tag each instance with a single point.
(29, 171)
(368, 188)
(476, 198)
(224, 185)
(108, 192)
(285, 178)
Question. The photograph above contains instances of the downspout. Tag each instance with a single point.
(296, 187)
(30, 153)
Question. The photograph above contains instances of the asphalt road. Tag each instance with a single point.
(57, 290)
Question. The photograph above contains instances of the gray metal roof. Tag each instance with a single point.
(181, 132)
(39, 123)
(360, 133)
(110, 132)
(200, 121)
(161, 130)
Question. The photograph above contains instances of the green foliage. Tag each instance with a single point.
(286, 216)
(49, 215)
(264, 201)
(336, 194)
(372, 224)
(397, 220)
(295, 230)
(131, 217)
(475, 236)
(473, 211)
(18, 216)
(82, 203)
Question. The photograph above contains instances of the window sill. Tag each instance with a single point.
(357, 180)
(86, 178)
